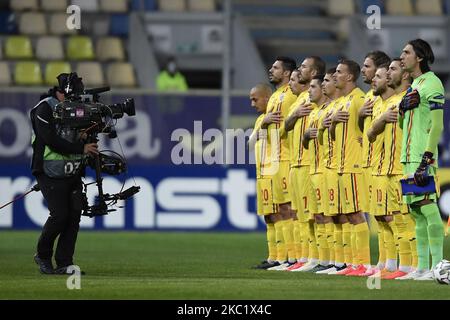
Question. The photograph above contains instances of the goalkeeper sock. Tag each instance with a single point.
(362, 243)
(404, 248)
(329, 229)
(346, 243)
(297, 240)
(435, 230)
(271, 242)
(411, 231)
(322, 244)
(281, 247)
(338, 246)
(381, 247)
(288, 235)
(423, 253)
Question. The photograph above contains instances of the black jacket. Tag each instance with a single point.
(45, 131)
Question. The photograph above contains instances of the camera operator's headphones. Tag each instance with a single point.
(70, 84)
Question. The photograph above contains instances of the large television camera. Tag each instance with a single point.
(82, 111)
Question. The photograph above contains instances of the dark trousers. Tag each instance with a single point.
(64, 219)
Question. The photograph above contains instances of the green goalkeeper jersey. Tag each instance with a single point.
(417, 122)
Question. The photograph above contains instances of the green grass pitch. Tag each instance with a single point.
(165, 265)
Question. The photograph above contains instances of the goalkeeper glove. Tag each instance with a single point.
(410, 101)
(421, 174)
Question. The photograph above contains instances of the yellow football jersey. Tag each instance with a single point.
(378, 145)
(367, 147)
(281, 100)
(329, 149)
(261, 151)
(392, 137)
(299, 155)
(348, 147)
(315, 148)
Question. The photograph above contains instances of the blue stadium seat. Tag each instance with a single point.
(363, 4)
(7, 23)
(119, 25)
(149, 5)
(446, 6)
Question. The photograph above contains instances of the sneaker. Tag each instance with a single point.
(287, 266)
(45, 265)
(65, 270)
(426, 276)
(343, 272)
(329, 269)
(307, 267)
(266, 264)
(412, 275)
(370, 272)
(321, 268)
(395, 275)
(358, 271)
(334, 272)
(382, 274)
(279, 267)
(296, 266)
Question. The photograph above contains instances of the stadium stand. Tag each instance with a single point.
(429, 7)
(28, 73)
(399, 7)
(116, 6)
(80, 48)
(110, 48)
(121, 75)
(18, 47)
(341, 8)
(53, 69)
(49, 48)
(22, 5)
(201, 5)
(172, 5)
(32, 23)
(5, 74)
(54, 5)
(92, 73)
(58, 25)
(87, 5)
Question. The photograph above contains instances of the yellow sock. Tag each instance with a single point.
(271, 242)
(281, 247)
(355, 258)
(362, 242)
(329, 228)
(411, 231)
(404, 248)
(322, 244)
(313, 250)
(389, 242)
(347, 243)
(288, 235)
(297, 240)
(338, 245)
(304, 232)
(381, 247)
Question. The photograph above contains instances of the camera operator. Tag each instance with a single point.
(57, 166)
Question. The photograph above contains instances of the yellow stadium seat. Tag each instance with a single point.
(80, 48)
(121, 74)
(86, 5)
(18, 47)
(32, 23)
(58, 24)
(53, 69)
(49, 48)
(92, 74)
(429, 7)
(399, 7)
(172, 5)
(54, 5)
(28, 73)
(21, 5)
(202, 5)
(341, 7)
(5, 74)
(114, 5)
(110, 48)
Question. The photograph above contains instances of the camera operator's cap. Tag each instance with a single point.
(70, 83)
